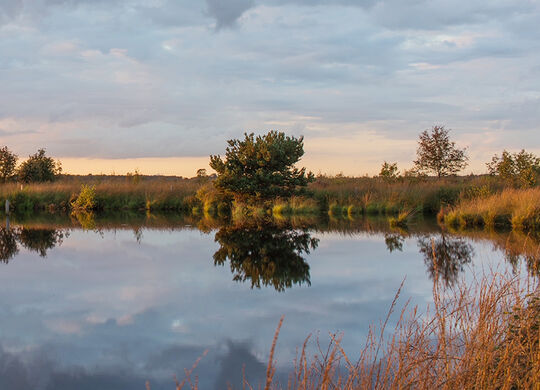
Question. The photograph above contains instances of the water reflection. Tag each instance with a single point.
(445, 256)
(36, 240)
(40, 240)
(265, 253)
(394, 241)
(8, 244)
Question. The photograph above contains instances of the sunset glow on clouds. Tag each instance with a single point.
(159, 85)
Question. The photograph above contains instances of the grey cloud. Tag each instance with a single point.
(10, 9)
(227, 12)
(437, 14)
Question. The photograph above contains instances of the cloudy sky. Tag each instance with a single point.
(158, 85)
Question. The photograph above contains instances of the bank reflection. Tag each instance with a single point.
(265, 254)
(38, 240)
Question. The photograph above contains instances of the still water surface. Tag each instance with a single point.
(122, 301)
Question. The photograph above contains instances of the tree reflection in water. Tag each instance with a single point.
(265, 253)
(37, 240)
(445, 257)
(8, 244)
(394, 241)
(40, 240)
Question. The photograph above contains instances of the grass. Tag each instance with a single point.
(109, 194)
(340, 197)
(512, 208)
(483, 335)
(402, 219)
(375, 196)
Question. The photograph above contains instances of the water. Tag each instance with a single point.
(126, 300)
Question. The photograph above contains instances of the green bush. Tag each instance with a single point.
(86, 199)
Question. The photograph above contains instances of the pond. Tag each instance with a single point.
(115, 301)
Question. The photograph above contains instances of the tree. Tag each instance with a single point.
(8, 161)
(389, 172)
(437, 154)
(261, 168)
(39, 168)
(520, 169)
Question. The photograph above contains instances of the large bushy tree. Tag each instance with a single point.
(261, 168)
(39, 168)
(8, 161)
(437, 154)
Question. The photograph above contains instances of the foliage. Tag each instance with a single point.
(39, 168)
(201, 173)
(86, 199)
(519, 169)
(389, 172)
(8, 161)
(437, 154)
(261, 168)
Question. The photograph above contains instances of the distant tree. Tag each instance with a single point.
(519, 169)
(8, 161)
(201, 173)
(39, 168)
(389, 172)
(437, 154)
(261, 168)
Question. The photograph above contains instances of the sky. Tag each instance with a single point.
(110, 86)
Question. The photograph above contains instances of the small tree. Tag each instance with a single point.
(389, 172)
(261, 168)
(520, 169)
(39, 168)
(437, 154)
(8, 161)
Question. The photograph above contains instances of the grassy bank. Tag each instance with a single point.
(512, 208)
(109, 195)
(479, 336)
(337, 196)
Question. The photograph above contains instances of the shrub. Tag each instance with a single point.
(86, 199)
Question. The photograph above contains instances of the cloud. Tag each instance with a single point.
(156, 78)
(227, 12)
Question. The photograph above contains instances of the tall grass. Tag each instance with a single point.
(519, 209)
(338, 196)
(109, 195)
(483, 335)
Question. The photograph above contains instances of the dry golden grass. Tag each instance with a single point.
(518, 208)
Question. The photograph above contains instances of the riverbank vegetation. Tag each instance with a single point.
(518, 209)
(258, 176)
